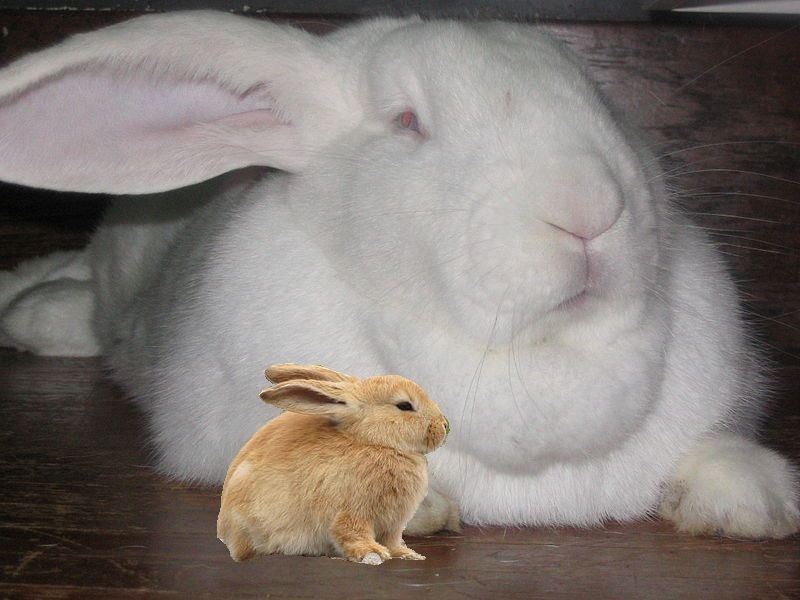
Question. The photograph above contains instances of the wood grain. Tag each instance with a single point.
(82, 514)
(585, 10)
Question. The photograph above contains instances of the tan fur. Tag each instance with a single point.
(289, 371)
(344, 478)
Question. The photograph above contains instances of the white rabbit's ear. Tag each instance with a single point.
(312, 397)
(289, 371)
(164, 101)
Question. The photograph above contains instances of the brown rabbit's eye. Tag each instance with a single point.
(405, 406)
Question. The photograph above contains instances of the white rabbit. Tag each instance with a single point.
(456, 205)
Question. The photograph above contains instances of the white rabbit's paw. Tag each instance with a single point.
(53, 319)
(731, 486)
(436, 512)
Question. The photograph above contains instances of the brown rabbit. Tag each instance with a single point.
(340, 472)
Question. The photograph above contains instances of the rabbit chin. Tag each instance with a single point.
(570, 316)
(572, 385)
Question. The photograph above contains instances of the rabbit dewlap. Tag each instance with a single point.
(340, 472)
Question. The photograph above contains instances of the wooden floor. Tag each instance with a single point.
(82, 515)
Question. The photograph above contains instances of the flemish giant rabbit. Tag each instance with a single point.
(455, 202)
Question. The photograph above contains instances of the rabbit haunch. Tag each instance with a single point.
(519, 259)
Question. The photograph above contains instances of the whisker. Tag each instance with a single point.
(774, 320)
(784, 314)
(738, 54)
(756, 249)
(715, 145)
(520, 378)
(740, 171)
(475, 384)
(678, 170)
(737, 217)
(756, 240)
(737, 194)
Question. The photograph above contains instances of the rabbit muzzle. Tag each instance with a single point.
(436, 433)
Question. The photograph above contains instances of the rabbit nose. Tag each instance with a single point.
(446, 427)
(580, 233)
(575, 225)
(437, 431)
(580, 197)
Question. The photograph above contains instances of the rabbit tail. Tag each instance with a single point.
(47, 305)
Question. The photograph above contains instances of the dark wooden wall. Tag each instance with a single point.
(587, 10)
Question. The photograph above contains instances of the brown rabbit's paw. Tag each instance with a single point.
(242, 553)
(371, 558)
(406, 553)
(239, 547)
(368, 553)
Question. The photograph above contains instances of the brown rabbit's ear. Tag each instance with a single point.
(311, 397)
(289, 371)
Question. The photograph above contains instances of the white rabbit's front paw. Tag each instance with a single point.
(436, 512)
(732, 486)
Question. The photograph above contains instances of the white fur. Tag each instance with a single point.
(452, 258)
(47, 306)
(733, 486)
(371, 559)
(436, 512)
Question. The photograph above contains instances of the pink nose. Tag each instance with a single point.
(581, 198)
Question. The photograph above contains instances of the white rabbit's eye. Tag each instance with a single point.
(405, 406)
(408, 120)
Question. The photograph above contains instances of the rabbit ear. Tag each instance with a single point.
(164, 101)
(289, 371)
(311, 397)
